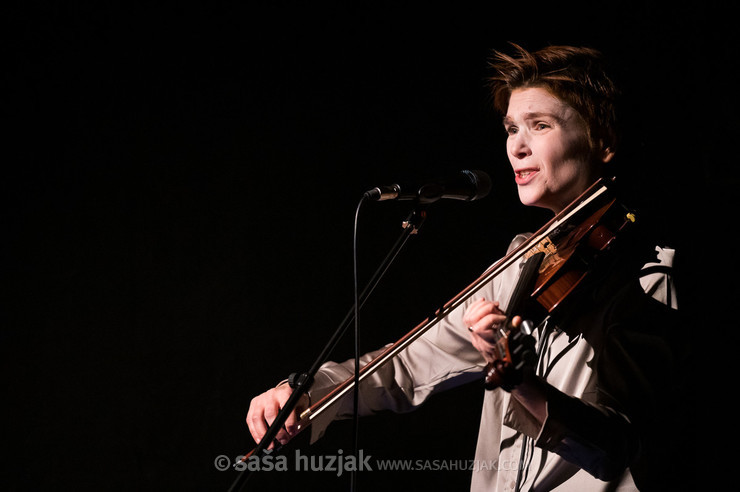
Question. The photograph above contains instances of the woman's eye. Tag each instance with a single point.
(511, 130)
(542, 126)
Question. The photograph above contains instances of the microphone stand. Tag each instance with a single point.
(302, 382)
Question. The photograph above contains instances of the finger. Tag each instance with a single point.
(290, 423)
(470, 316)
(492, 321)
(255, 419)
(282, 394)
(477, 310)
(488, 324)
(477, 302)
(484, 348)
(271, 412)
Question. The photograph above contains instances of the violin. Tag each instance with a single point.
(555, 264)
(557, 258)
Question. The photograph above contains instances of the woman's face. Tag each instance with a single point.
(549, 149)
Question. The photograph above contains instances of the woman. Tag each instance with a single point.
(590, 414)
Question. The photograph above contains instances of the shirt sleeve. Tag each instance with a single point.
(440, 359)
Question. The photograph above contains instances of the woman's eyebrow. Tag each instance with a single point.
(533, 116)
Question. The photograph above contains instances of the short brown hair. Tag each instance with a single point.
(576, 75)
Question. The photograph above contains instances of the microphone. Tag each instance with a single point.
(465, 185)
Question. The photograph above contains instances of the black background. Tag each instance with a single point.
(181, 183)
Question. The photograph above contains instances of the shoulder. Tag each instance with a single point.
(518, 240)
(656, 277)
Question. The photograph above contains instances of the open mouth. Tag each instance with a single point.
(524, 176)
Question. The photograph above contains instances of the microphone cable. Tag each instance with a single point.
(356, 389)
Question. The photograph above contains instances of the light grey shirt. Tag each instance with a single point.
(552, 456)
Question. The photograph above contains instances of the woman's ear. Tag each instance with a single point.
(604, 152)
(607, 154)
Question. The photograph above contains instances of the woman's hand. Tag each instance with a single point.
(264, 409)
(483, 319)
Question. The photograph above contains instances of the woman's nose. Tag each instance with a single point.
(519, 146)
